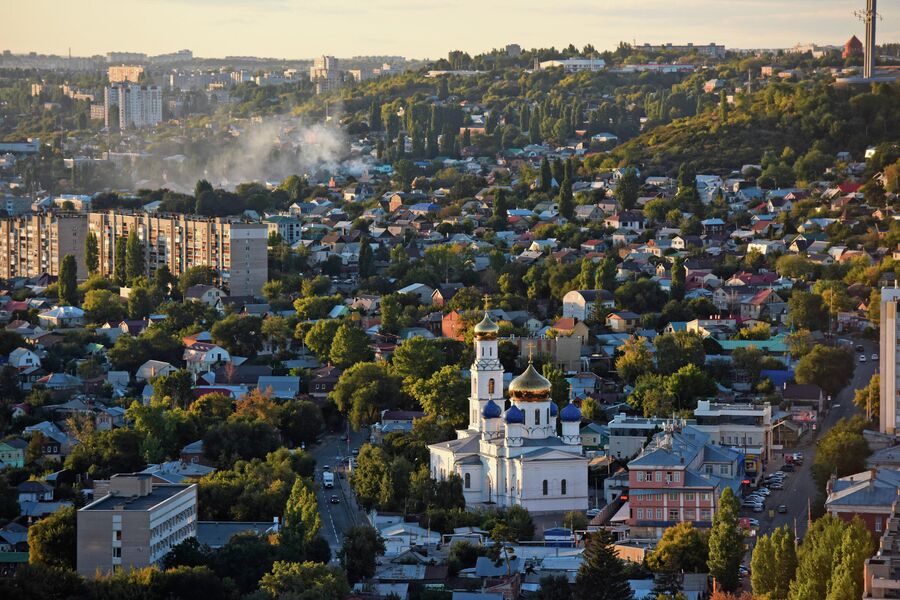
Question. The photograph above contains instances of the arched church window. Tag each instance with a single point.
(491, 385)
(545, 487)
(537, 417)
(468, 480)
(562, 487)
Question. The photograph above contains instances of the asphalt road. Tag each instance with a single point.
(799, 488)
(332, 451)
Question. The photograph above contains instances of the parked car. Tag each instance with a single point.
(777, 485)
(862, 358)
(860, 348)
(787, 467)
(763, 491)
(874, 356)
(593, 512)
(782, 508)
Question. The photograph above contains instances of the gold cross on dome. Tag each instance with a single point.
(530, 351)
(487, 302)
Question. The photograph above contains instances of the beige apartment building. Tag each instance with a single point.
(31, 245)
(236, 249)
(123, 73)
(133, 523)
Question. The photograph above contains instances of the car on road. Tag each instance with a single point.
(860, 348)
(874, 356)
(593, 512)
(782, 508)
(753, 522)
(355, 452)
(776, 485)
(781, 474)
(862, 358)
(326, 468)
(744, 571)
(787, 467)
(334, 499)
(763, 491)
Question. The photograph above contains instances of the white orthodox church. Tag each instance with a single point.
(514, 456)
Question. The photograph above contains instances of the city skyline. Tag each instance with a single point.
(296, 29)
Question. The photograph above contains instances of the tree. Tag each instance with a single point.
(847, 576)
(606, 275)
(364, 390)
(689, 383)
(763, 567)
(830, 560)
(795, 266)
(553, 587)
(676, 350)
(635, 359)
(277, 330)
(119, 266)
(307, 580)
(841, 451)
(301, 422)
(92, 253)
(748, 360)
(197, 275)
(682, 548)
(350, 346)
(104, 453)
(651, 395)
(177, 386)
(67, 285)
(443, 394)
(575, 520)
(627, 189)
(828, 366)
(239, 334)
(867, 399)
(566, 200)
(601, 575)
(807, 311)
(726, 543)
(52, 540)
(417, 358)
(201, 186)
(134, 257)
(366, 260)
(320, 336)
(103, 306)
(676, 290)
(546, 179)
(301, 517)
(800, 342)
(9, 505)
(362, 545)
(140, 304)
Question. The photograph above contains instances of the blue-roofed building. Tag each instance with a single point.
(869, 495)
(679, 477)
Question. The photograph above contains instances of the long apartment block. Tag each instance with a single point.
(35, 244)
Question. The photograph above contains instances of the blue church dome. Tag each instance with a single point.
(514, 415)
(570, 413)
(554, 409)
(491, 410)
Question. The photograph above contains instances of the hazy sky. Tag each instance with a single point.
(419, 28)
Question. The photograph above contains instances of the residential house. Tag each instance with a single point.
(765, 305)
(579, 304)
(152, 369)
(12, 453)
(61, 316)
(201, 357)
(206, 294)
(627, 219)
(323, 382)
(622, 321)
